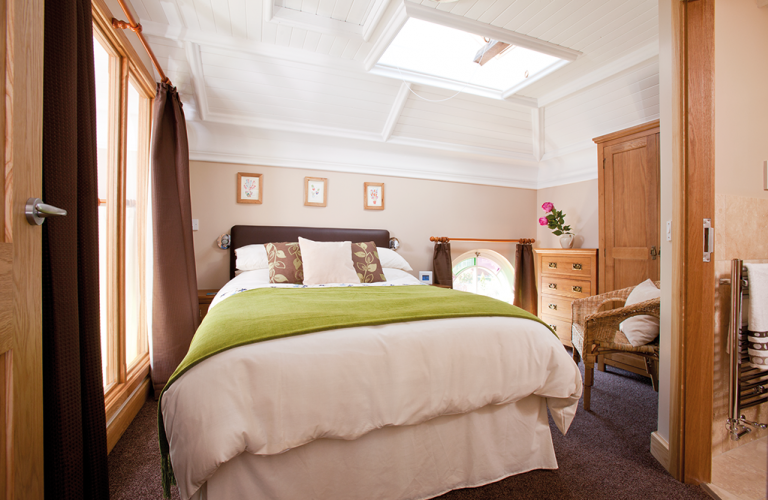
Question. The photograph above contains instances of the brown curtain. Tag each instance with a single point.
(526, 296)
(74, 423)
(442, 264)
(175, 311)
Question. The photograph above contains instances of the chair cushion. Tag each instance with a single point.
(640, 330)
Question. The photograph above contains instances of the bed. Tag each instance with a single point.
(403, 410)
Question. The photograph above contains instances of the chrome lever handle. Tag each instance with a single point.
(36, 211)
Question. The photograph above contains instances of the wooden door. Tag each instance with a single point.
(629, 212)
(21, 386)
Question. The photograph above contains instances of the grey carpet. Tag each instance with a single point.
(604, 456)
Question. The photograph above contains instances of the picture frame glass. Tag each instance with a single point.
(374, 196)
(249, 188)
(315, 191)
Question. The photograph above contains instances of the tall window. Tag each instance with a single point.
(484, 272)
(123, 102)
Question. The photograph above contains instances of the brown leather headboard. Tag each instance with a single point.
(253, 235)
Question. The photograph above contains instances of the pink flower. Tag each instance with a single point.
(543, 221)
(547, 207)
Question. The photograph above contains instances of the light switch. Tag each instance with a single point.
(669, 230)
(195, 224)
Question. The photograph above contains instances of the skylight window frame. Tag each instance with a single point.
(410, 10)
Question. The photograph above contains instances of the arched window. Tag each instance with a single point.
(484, 272)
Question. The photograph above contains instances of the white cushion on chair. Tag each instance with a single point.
(640, 330)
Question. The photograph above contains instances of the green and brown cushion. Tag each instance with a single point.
(285, 264)
(365, 260)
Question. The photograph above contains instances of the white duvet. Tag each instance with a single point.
(272, 396)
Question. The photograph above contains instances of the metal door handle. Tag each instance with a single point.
(709, 240)
(654, 253)
(36, 211)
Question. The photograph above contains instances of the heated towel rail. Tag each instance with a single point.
(748, 385)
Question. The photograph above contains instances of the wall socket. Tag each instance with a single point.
(195, 224)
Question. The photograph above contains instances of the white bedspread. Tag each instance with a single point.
(269, 397)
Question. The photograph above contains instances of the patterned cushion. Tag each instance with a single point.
(366, 261)
(285, 264)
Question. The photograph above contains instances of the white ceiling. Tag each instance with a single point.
(283, 71)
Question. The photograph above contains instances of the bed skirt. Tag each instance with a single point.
(408, 462)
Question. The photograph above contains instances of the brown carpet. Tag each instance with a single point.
(604, 456)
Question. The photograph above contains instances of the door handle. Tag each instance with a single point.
(709, 240)
(36, 211)
(654, 253)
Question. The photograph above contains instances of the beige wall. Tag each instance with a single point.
(415, 210)
(578, 201)
(741, 97)
(741, 147)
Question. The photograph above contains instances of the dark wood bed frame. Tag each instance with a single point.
(253, 235)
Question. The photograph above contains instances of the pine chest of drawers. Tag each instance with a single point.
(563, 276)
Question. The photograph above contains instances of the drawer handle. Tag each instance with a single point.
(553, 327)
(577, 289)
(577, 267)
(553, 286)
(553, 307)
(553, 265)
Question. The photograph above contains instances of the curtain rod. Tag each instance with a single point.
(444, 239)
(136, 28)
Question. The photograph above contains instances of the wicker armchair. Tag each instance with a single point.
(595, 333)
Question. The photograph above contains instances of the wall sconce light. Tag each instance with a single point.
(394, 243)
(223, 241)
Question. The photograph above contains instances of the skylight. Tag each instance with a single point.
(437, 55)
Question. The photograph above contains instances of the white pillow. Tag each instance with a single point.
(398, 276)
(251, 258)
(327, 262)
(641, 329)
(391, 259)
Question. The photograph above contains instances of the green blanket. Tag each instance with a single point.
(271, 313)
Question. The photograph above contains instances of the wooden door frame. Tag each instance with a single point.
(692, 308)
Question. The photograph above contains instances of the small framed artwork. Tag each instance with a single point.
(374, 195)
(315, 192)
(249, 188)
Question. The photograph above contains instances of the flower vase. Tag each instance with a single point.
(566, 241)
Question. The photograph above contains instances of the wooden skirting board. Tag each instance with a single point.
(660, 449)
(117, 426)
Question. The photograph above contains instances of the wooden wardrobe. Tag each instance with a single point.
(628, 190)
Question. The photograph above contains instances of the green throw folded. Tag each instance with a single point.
(271, 313)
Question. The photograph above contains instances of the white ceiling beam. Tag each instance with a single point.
(613, 68)
(324, 130)
(537, 126)
(510, 92)
(448, 84)
(482, 29)
(311, 22)
(198, 77)
(393, 27)
(247, 46)
(374, 17)
(397, 108)
(172, 12)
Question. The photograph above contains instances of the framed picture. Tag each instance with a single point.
(374, 195)
(315, 192)
(249, 188)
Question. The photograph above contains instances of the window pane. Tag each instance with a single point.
(133, 295)
(101, 67)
